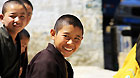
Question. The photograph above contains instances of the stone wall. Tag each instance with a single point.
(89, 12)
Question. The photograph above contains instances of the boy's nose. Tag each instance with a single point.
(69, 42)
(16, 19)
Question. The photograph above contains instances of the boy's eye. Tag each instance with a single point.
(77, 39)
(66, 36)
(22, 17)
(13, 16)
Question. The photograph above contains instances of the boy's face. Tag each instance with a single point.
(67, 40)
(24, 43)
(29, 12)
(15, 18)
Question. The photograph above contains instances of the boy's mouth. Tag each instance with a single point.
(68, 49)
(16, 25)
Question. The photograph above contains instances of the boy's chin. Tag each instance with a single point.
(67, 55)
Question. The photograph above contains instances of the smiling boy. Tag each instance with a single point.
(50, 62)
(13, 18)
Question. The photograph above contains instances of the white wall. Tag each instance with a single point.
(89, 12)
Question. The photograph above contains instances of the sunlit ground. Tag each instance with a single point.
(92, 72)
(96, 72)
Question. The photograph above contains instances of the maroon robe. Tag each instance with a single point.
(49, 63)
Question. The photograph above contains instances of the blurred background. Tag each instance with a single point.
(111, 29)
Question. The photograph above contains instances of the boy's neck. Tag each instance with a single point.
(13, 35)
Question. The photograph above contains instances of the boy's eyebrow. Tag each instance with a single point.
(12, 13)
(66, 33)
(15, 13)
(23, 13)
(69, 33)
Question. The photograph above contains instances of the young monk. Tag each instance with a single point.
(14, 19)
(24, 38)
(50, 62)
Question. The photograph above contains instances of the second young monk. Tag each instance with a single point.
(50, 62)
(24, 38)
(14, 19)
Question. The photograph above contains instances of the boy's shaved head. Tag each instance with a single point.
(10, 2)
(68, 20)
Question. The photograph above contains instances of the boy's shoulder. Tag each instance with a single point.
(3, 32)
(47, 55)
(43, 56)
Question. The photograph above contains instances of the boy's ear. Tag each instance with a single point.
(82, 38)
(52, 32)
(1, 18)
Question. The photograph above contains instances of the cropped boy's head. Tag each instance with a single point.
(24, 38)
(67, 34)
(14, 15)
(29, 7)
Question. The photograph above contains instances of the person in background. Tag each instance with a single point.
(29, 7)
(131, 66)
(24, 39)
(50, 62)
(14, 19)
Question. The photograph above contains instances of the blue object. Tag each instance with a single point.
(132, 20)
(131, 2)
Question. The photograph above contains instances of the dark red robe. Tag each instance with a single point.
(49, 63)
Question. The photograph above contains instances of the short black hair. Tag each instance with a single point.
(4, 8)
(25, 33)
(70, 20)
